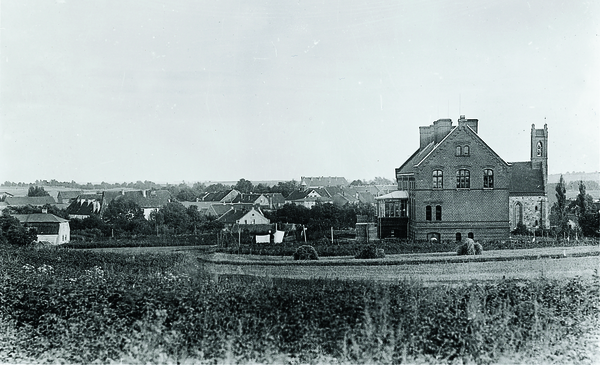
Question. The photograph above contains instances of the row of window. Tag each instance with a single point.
(438, 213)
(463, 179)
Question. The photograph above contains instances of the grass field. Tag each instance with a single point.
(132, 307)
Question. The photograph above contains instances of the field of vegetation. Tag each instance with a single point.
(77, 306)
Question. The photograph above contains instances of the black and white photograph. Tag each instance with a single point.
(299, 182)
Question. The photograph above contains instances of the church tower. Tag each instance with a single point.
(539, 150)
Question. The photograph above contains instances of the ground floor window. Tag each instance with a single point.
(458, 237)
(471, 235)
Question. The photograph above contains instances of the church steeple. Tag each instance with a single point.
(539, 149)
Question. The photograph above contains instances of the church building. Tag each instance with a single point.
(455, 186)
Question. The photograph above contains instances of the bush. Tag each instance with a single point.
(470, 247)
(371, 252)
(306, 252)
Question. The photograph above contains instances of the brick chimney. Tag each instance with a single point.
(441, 128)
(472, 123)
(426, 134)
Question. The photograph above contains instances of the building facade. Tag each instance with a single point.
(455, 186)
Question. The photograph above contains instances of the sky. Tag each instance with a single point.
(181, 90)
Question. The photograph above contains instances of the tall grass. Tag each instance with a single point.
(78, 307)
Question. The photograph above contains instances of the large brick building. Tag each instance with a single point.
(455, 186)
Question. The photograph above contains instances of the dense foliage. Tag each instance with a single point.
(66, 306)
(37, 191)
(13, 232)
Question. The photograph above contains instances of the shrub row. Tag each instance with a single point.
(391, 247)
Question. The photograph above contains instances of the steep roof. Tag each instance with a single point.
(39, 218)
(233, 215)
(246, 198)
(218, 196)
(29, 200)
(524, 180)
(398, 194)
(422, 154)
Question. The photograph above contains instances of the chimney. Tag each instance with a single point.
(472, 123)
(441, 128)
(426, 136)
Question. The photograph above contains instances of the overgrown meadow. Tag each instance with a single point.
(77, 306)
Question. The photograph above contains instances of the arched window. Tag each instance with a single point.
(438, 212)
(458, 151)
(471, 235)
(458, 237)
(488, 178)
(463, 179)
(518, 213)
(466, 150)
(428, 212)
(539, 148)
(438, 179)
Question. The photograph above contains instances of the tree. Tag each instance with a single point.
(13, 232)
(381, 181)
(37, 191)
(175, 216)
(125, 216)
(215, 188)
(588, 220)
(244, 186)
(356, 183)
(285, 188)
(559, 209)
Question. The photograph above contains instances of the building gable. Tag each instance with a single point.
(460, 137)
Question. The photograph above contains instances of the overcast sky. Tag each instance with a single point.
(119, 91)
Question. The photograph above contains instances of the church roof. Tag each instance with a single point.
(525, 180)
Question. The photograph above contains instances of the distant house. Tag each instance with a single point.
(276, 200)
(49, 227)
(67, 196)
(241, 216)
(340, 200)
(254, 199)
(309, 197)
(320, 182)
(85, 205)
(33, 201)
